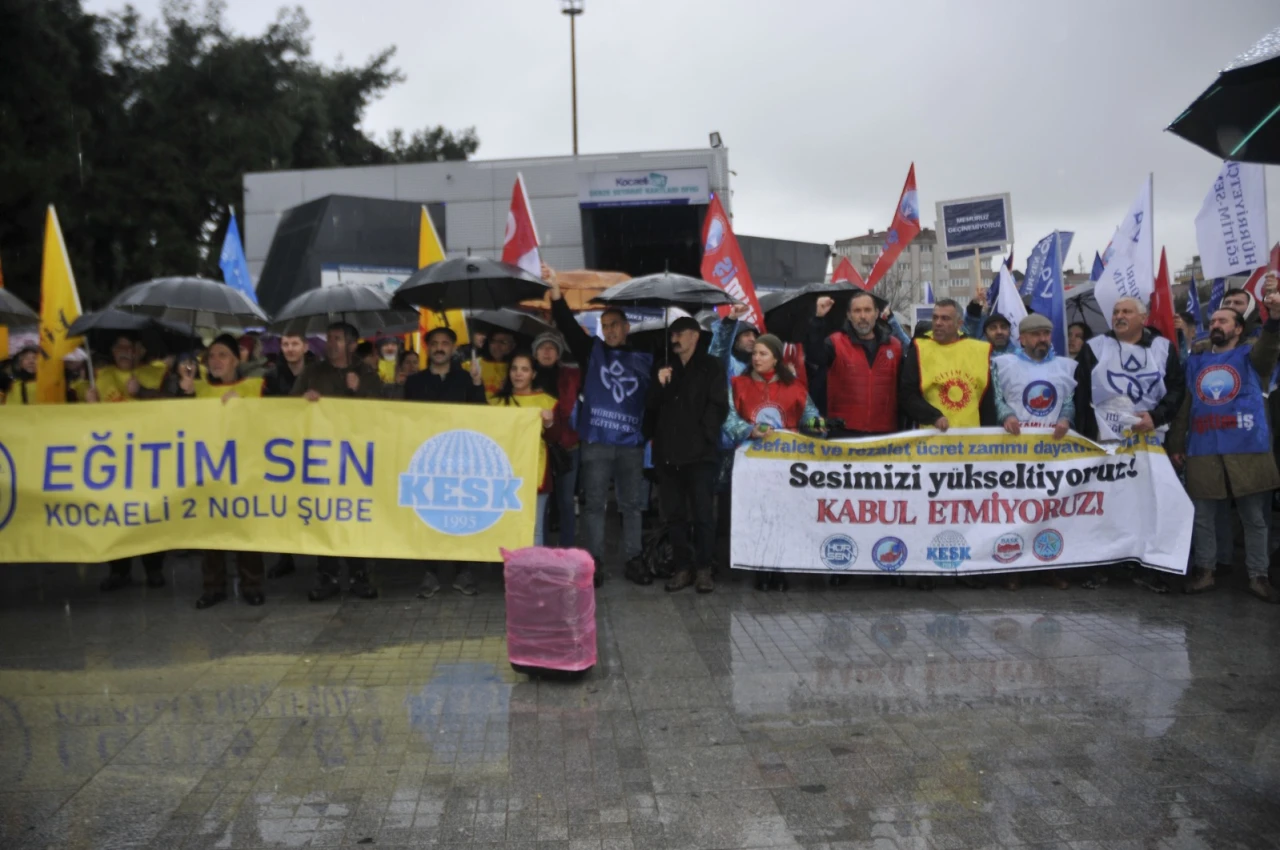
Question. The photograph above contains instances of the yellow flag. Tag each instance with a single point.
(59, 307)
(431, 251)
(4, 332)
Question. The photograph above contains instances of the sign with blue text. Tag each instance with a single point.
(980, 222)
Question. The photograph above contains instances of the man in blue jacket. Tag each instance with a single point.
(610, 420)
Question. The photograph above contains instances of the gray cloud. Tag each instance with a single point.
(824, 104)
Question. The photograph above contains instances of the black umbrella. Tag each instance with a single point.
(466, 283)
(654, 334)
(1238, 116)
(194, 302)
(665, 289)
(788, 317)
(14, 311)
(1082, 306)
(158, 335)
(367, 308)
(523, 325)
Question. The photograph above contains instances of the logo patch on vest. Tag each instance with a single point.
(1218, 384)
(1040, 398)
(618, 381)
(955, 394)
(1133, 386)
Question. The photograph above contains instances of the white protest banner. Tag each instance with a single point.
(1231, 227)
(973, 500)
(1130, 258)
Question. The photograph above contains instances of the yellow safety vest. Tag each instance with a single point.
(245, 388)
(953, 378)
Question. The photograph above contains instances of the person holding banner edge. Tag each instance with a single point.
(1034, 387)
(1222, 438)
(946, 380)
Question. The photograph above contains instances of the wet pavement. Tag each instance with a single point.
(856, 717)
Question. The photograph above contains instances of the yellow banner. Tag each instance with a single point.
(384, 479)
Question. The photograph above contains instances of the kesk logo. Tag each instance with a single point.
(1040, 398)
(889, 554)
(460, 483)
(1047, 545)
(8, 486)
(1217, 384)
(948, 549)
(1008, 548)
(715, 235)
(839, 552)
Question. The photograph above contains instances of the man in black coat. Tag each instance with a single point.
(688, 401)
(444, 381)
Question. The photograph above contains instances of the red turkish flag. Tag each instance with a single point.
(846, 273)
(520, 244)
(1160, 317)
(1256, 284)
(905, 227)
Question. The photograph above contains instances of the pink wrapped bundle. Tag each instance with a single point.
(551, 609)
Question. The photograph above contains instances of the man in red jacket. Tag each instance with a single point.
(861, 363)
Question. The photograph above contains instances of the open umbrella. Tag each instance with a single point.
(195, 302)
(653, 334)
(367, 308)
(523, 325)
(14, 311)
(1082, 306)
(1238, 116)
(101, 327)
(468, 283)
(664, 289)
(788, 316)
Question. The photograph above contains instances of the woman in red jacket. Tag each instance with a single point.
(765, 397)
(562, 382)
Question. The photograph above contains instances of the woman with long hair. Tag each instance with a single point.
(519, 390)
(765, 397)
(557, 379)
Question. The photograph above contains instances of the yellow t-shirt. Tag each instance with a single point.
(113, 382)
(541, 401)
(953, 378)
(15, 394)
(245, 388)
(387, 371)
(493, 374)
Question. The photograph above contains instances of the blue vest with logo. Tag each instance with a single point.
(613, 394)
(1228, 411)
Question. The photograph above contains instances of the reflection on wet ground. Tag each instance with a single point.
(857, 717)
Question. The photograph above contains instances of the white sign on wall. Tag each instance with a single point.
(387, 278)
(643, 188)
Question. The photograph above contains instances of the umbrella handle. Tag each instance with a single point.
(93, 378)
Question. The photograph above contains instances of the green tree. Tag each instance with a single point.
(140, 131)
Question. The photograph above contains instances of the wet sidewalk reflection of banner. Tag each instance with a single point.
(969, 501)
(90, 483)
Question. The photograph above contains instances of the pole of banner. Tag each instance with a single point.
(976, 279)
(1151, 213)
(88, 359)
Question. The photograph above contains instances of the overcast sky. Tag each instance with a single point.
(823, 104)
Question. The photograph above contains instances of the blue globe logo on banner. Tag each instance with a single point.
(460, 483)
(715, 234)
(948, 550)
(889, 554)
(1218, 384)
(1040, 398)
(8, 486)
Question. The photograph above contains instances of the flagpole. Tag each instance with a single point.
(1151, 213)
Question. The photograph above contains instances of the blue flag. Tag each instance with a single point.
(1098, 268)
(1193, 307)
(235, 268)
(928, 292)
(1034, 262)
(1216, 294)
(1047, 295)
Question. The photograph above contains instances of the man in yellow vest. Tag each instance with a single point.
(946, 382)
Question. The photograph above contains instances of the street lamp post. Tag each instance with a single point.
(573, 8)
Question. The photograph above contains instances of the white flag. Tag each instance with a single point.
(1009, 301)
(1128, 272)
(1231, 228)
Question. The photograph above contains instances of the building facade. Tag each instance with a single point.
(920, 262)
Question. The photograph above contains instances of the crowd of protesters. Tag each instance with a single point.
(628, 422)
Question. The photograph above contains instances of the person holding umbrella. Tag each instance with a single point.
(339, 375)
(444, 382)
(610, 420)
(767, 396)
(129, 376)
(689, 400)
